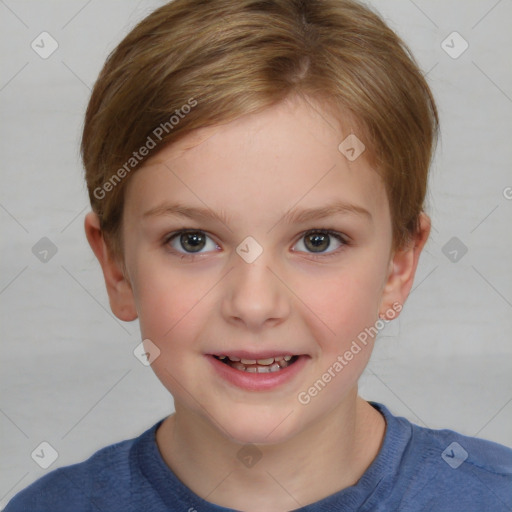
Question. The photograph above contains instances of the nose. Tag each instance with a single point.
(254, 296)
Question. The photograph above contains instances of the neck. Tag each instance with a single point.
(333, 453)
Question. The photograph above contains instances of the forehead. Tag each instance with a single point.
(302, 117)
(286, 155)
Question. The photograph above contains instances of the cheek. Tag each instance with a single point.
(341, 315)
(346, 302)
(165, 298)
(171, 312)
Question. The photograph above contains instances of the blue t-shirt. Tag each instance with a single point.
(416, 469)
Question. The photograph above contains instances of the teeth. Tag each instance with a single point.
(264, 365)
(270, 364)
(268, 361)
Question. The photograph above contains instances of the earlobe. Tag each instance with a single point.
(402, 269)
(119, 290)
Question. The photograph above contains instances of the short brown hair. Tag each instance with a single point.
(226, 58)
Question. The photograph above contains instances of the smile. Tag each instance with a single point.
(262, 371)
(266, 365)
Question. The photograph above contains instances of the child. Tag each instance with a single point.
(257, 172)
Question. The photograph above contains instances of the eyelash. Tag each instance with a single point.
(339, 236)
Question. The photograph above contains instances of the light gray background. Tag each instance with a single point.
(68, 374)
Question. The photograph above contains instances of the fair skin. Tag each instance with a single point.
(259, 170)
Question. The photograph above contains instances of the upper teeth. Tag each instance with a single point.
(266, 362)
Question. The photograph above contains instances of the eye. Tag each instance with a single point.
(319, 240)
(192, 241)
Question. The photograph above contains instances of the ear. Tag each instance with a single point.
(402, 268)
(119, 289)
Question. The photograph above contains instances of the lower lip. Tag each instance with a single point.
(257, 381)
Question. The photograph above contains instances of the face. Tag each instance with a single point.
(257, 240)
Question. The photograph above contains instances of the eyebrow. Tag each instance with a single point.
(329, 210)
(292, 216)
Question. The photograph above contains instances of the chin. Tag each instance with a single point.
(251, 426)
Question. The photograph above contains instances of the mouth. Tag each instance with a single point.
(270, 364)
(258, 371)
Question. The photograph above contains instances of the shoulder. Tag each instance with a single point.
(452, 450)
(102, 482)
(443, 468)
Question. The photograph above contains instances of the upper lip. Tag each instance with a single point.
(243, 354)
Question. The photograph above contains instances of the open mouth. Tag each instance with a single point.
(268, 365)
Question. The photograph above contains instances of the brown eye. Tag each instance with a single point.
(317, 242)
(190, 242)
